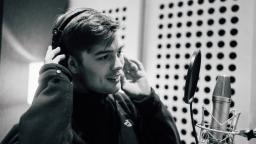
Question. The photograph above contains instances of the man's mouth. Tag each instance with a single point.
(115, 78)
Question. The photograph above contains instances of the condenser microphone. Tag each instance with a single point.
(221, 104)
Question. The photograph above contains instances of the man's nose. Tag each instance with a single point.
(117, 63)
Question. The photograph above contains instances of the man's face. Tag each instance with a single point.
(100, 69)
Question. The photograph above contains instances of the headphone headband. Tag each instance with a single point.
(57, 31)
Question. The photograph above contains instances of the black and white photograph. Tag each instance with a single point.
(127, 72)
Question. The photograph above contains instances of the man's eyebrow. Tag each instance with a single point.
(107, 51)
(103, 52)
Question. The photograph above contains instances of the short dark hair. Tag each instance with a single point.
(79, 29)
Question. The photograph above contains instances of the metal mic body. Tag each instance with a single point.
(221, 107)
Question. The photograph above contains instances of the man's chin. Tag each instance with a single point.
(110, 88)
(116, 88)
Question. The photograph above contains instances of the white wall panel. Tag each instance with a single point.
(223, 30)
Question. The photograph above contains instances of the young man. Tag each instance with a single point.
(95, 95)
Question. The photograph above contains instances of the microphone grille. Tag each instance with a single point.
(222, 87)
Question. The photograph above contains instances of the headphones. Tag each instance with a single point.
(59, 28)
(57, 31)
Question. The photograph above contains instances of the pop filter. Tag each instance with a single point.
(192, 77)
(191, 84)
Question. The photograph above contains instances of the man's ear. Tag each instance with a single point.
(73, 65)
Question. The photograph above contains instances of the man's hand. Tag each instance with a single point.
(134, 81)
(52, 55)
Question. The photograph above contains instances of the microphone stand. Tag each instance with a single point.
(192, 121)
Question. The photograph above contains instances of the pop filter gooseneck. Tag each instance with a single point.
(191, 84)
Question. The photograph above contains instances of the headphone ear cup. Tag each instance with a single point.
(64, 62)
(56, 34)
(55, 37)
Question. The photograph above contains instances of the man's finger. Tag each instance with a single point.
(134, 64)
(134, 67)
(49, 48)
(123, 80)
(47, 55)
(138, 64)
(127, 65)
(51, 53)
(58, 58)
(55, 51)
(126, 59)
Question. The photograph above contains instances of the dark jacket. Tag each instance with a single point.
(60, 115)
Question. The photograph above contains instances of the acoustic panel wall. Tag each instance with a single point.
(223, 31)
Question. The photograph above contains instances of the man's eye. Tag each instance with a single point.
(104, 57)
